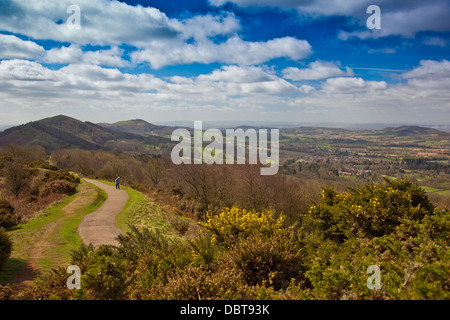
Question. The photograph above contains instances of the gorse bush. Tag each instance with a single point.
(272, 263)
(106, 278)
(369, 211)
(50, 286)
(234, 223)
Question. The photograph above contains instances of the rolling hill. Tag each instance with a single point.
(139, 127)
(65, 132)
(141, 137)
(411, 131)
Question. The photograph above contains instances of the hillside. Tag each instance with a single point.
(141, 137)
(139, 127)
(65, 132)
(411, 131)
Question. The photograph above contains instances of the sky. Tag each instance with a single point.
(303, 61)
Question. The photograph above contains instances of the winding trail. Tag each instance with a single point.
(99, 227)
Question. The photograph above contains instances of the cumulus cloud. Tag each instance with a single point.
(430, 69)
(25, 70)
(31, 78)
(77, 80)
(74, 54)
(201, 27)
(315, 71)
(423, 94)
(102, 22)
(232, 51)
(233, 80)
(12, 47)
(108, 22)
(158, 40)
(238, 74)
(352, 85)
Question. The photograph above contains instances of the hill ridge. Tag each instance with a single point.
(65, 132)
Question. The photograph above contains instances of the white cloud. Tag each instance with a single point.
(201, 27)
(352, 85)
(307, 89)
(108, 23)
(423, 98)
(12, 47)
(430, 69)
(159, 40)
(233, 80)
(233, 51)
(102, 22)
(74, 54)
(250, 91)
(30, 78)
(25, 70)
(238, 74)
(315, 71)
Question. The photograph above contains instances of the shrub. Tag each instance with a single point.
(270, 262)
(82, 256)
(204, 252)
(49, 286)
(5, 247)
(235, 223)
(43, 165)
(369, 211)
(137, 242)
(61, 175)
(106, 277)
(251, 255)
(7, 216)
(57, 186)
(197, 283)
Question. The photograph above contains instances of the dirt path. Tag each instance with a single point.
(99, 227)
(36, 252)
(30, 271)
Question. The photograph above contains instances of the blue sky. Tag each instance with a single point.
(216, 60)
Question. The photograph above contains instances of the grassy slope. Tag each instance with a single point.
(141, 212)
(62, 237)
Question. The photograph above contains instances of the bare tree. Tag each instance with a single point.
(155, 170)
(209, 184)
(15, 175)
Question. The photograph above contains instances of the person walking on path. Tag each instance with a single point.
(117, 181)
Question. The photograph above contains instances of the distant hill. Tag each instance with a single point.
(140, 127)
(141, 137)
(410, 131)
(65, 132)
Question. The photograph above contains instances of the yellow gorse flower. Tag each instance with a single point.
(234, 221)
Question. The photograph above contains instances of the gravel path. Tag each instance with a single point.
(99, 227)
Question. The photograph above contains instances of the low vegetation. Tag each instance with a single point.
(253, 254)
(33, 193)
